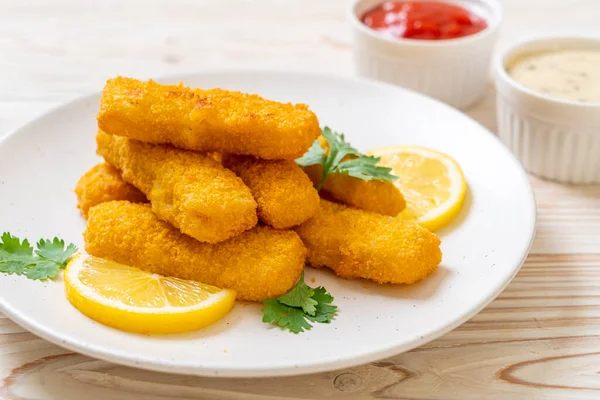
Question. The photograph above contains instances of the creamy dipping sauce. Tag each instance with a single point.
(567, 74)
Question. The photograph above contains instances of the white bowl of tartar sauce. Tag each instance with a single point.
(548, 106)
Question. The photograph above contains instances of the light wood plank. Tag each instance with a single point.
(539, 339)
(568, 218)
(56, 65)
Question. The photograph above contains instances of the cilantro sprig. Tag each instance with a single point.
(18, 257)
(295, 309)
(337, 160)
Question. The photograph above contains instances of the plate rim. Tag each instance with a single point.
(327, 363)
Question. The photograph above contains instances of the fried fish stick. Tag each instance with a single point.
(360, 244)
(284, 194)
(194, 193)
(206, 120)
(104, 183)
(375, 196)
(259, 264)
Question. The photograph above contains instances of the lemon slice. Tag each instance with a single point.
(432, 183)
(132, 300)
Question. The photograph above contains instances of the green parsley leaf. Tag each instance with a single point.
(300, 296)
(12, 244)
(297, 307)
(365, 168)
(55, 250)
(273, 311)
(325, 311)
(42, 269)
(17, 257)
(335, 162)
(314, 155)
(284, 316)
(294, 320)
(338, 148)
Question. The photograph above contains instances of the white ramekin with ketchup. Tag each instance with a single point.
(440, 48)
(548, 106)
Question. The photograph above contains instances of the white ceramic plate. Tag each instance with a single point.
(483, 249)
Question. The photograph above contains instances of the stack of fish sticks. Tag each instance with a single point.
(202, 185)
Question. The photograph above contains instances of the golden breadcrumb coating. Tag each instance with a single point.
(206, 120)
(104, 183)
(284, 194)
(360, 244)
(259, 264)
(193, 192)
(375, 196)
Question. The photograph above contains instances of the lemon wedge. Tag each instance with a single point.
(132, 300)
(432, 183)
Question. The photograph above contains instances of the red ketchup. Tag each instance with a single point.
(423, 20)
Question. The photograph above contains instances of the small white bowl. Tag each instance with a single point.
(553, 138)
(455, 71)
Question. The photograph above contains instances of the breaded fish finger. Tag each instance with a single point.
(206, 120)
(259, 264)
(360, 244)
(194, 193)
(284, 194)
(375, 196)
(104, 183)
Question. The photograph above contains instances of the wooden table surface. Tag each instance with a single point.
(539, 340)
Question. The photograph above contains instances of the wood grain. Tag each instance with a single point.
(539, 340)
